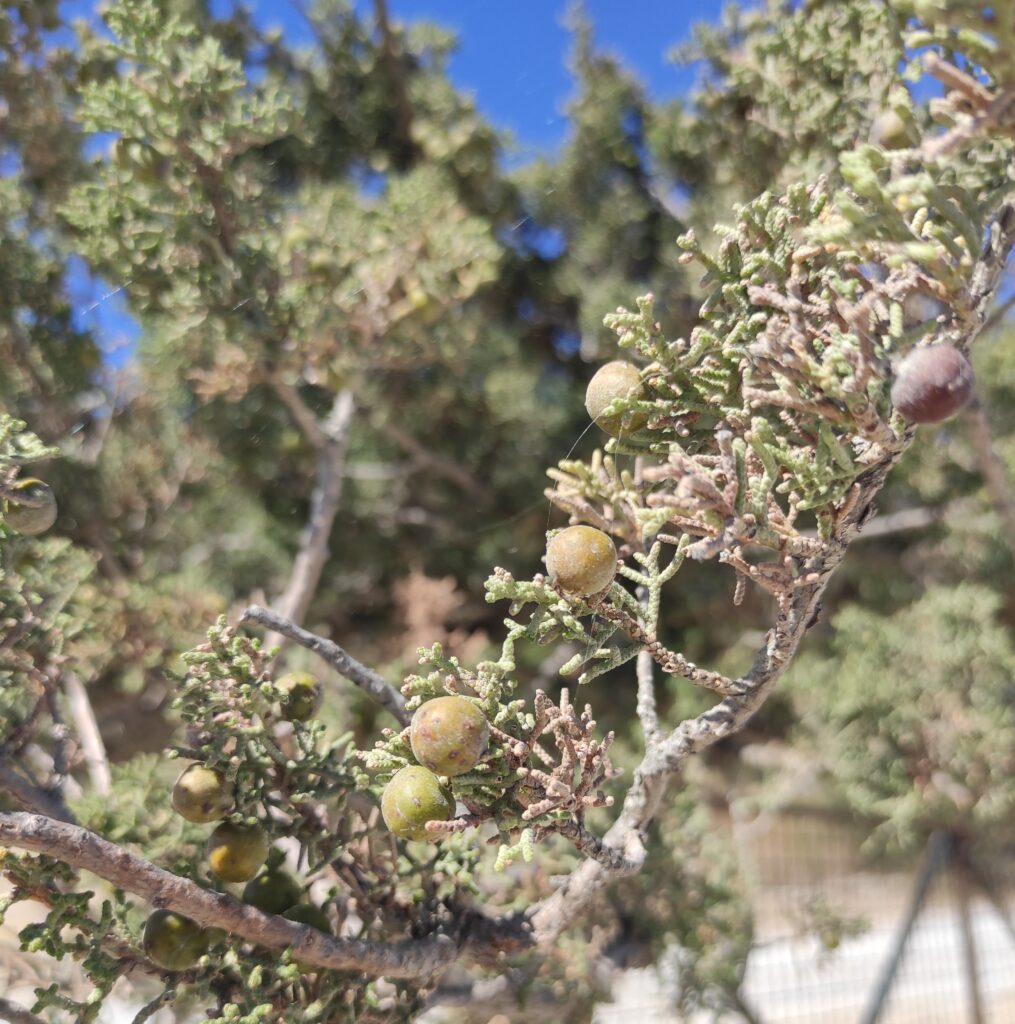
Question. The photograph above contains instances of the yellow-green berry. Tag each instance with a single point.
(891, 131)
(302, 696)
(449, 735)
(31, 507)
(413, 797)
(610, 382)
(202, 794)
(581, 560)
(236, 852)
(174, 941)
(273, 891)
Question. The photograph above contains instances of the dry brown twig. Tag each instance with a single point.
(559, 788)
(569, 782)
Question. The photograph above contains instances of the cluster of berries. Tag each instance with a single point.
(236, 851)
(448, 736)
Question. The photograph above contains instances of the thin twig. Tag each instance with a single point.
(647, 713)
(671, 662)
(439, 464)
(60, 735)
(592, 847)
(903, 521)
(83, 716)
(303, 416)
(365, 678)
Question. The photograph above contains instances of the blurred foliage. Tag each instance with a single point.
(915, 714)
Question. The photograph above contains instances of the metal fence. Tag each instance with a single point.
(843, 941)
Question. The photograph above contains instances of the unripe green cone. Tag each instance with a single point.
(174, 941)
(610, 382)
(582, 560)
(274, 892)
(413, 797)
(202, 794)
(449, 735)
(236, 852)
(31, 508)
(302, 696)
(890, 131)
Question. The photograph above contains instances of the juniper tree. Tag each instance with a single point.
(757, 444)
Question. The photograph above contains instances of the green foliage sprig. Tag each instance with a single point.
(230, 705)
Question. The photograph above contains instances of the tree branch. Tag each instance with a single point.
(14, 1014)
(440, 464)
(365, 678)
(647, 713)
(903, 521)
(400, 93)
(303, 416)
(414, 958)
(314, 549)
(665, 757)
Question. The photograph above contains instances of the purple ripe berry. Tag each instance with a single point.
(932, 384)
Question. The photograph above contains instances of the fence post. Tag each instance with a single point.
(988, 889)
(936, 856)
(969, 959)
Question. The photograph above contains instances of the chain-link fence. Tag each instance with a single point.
(840, 940)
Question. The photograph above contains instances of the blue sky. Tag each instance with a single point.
(512, 56)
